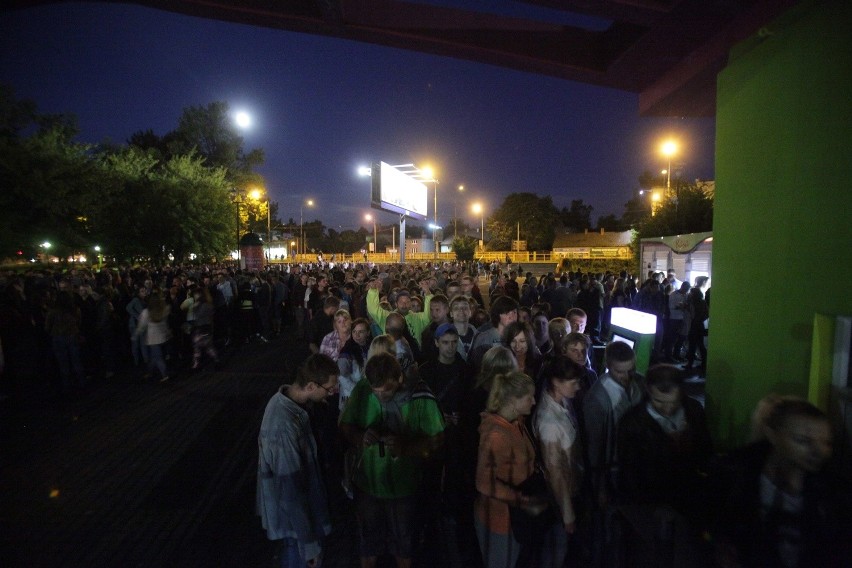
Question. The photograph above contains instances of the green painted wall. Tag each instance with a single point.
(782, 223)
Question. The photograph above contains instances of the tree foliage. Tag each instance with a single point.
(154, 198)
(465, 247)
(688, 208)
(537, 217)
(578, 217)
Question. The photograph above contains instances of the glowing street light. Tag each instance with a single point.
(255, 194)
(668, 149)
(456, 212)
(369, 217)
(428, 175)
(309, 203)
(365, 171)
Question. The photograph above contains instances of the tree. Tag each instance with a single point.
(578, 217)
(687, 209)
(537, 217)
(465, 247)
(45, 178)
(611, 223)
(211, 133)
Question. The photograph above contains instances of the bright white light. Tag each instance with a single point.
(242, 119)
(365, 171)
(634, 320)
(433, 226)
(45, 244)
(98, 248)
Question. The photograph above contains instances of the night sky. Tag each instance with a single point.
(321, 107)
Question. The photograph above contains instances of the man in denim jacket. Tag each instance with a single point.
(291, 497)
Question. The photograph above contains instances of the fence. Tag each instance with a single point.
(525, 257)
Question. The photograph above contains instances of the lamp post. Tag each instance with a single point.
(428, 175)
(255, 194)
(456, 214)
(669, 149)
(478, 209)
(369, 217)
(309, 203)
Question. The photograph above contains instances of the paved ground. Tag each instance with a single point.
(140, 474)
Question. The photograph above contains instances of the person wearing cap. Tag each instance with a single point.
(445, 373)
(439, 314)
(415, 321)
(291, 496)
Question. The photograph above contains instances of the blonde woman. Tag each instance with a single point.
(334, 341)
(506, 459)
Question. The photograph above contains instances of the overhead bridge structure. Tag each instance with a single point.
(667, 51)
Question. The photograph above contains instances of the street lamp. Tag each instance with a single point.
(256, 194)
(456, 213)
(479, 210)
(435, 228)
(428, 175)
(369, 217)
(309, 203)
(668, 149)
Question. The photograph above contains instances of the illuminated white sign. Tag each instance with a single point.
(398, 192)
(634, 320)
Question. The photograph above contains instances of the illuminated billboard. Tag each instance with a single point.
(398, 192)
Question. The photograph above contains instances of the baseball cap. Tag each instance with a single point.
(445, 328)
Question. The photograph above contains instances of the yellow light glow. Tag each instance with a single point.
(669, 148)
(476, 208)
(368, 217)
(656, 196)
(255, 194)
(54, 493)
(428, 172)
(309, 202)
(461, 188)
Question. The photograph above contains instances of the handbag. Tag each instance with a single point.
(528, 528)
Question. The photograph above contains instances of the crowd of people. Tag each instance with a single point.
(471, 425)
(481, 432)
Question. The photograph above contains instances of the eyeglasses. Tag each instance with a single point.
(328, 391)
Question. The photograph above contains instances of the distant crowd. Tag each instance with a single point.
(461, 409)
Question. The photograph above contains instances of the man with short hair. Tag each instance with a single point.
(576, 347)
(471, 290)
(415, 321)
(439, 312)
(577, 318)
(453, 289)
(607, 401)
(323, 323)
(460, 312)
(504, 311)
(393, 429)
(664, 448)
(291, 497)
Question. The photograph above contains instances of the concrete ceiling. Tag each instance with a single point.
(667, 51)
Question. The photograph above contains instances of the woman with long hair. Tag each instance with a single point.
(518, 336)
(506, 459)
(154, 332)
(557, 430)
(202, 332)
(353, 358)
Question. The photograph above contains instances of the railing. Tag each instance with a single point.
(524, 257)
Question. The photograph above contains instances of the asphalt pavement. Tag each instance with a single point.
(138, 473)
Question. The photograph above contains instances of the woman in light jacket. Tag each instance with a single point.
(154, 329)
(558, 433)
